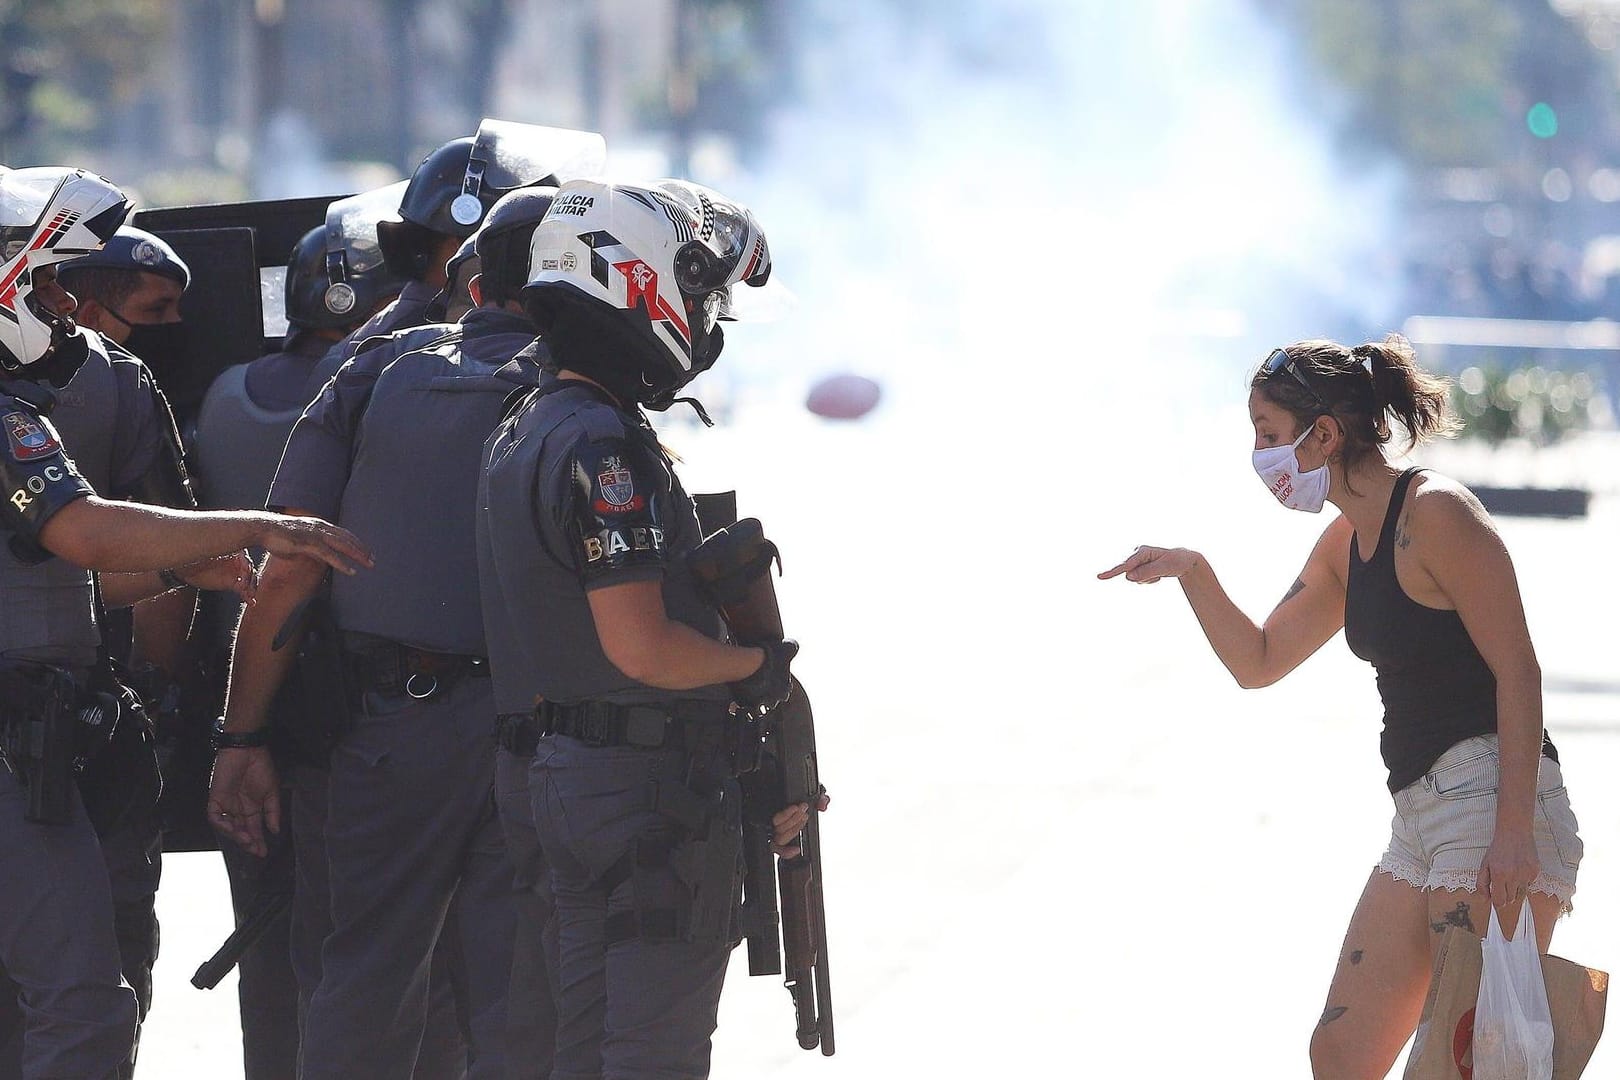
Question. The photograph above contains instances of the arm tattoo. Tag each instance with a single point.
(1293, 590)
(1458, 916)
(1403, 532)
(1332, 1013)
(1355, 958)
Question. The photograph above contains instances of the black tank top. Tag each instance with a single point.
(1436, 688)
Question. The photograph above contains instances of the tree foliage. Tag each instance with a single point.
(63, 61)
(1448, 82)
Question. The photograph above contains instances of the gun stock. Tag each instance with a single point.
(784, 916)
(807, 972)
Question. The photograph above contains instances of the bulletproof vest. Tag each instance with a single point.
(238, 444)
(412, 481)
(543, 638)
(46, 609)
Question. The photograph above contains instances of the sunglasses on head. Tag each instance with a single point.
(1279, 360)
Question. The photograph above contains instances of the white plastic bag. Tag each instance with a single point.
(1513, 1031)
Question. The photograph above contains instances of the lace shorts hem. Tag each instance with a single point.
(1468, 881)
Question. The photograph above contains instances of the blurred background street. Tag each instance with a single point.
(1059, 234)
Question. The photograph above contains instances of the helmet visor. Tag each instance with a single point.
(24, 194)
(729, 246)
(351, 225)
(509, 155)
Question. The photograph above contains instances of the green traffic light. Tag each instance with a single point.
(1542, 120)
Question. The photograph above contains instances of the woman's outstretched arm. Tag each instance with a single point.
(1309, 614)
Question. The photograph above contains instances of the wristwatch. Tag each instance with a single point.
(235, 740)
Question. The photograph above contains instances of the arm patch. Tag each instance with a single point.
(620, 490)
(36, 478)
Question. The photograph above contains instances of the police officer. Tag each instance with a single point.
(241, 427)
(447, 197)
(336, 281)
(393, 445)
(125, 445)
(129, 293)
(56, 917)
(586, 528)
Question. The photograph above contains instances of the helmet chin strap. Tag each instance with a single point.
(663, 401)
(68, 352)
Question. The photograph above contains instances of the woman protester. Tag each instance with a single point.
(1414, 571)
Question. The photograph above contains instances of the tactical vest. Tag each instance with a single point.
(410, 491)
(46, 609)
(238, 444)
(542, 634)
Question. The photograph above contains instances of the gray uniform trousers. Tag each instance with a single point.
(637, 1009)
(410, 826)
(132, 852)
(443, 1055)
(57, 944)
(532, 1002)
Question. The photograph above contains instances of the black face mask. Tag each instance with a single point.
(162, 345)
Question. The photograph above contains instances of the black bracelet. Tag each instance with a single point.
(237, 740)
(171, 579)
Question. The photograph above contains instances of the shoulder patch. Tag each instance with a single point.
(616, 488)
(29, 439)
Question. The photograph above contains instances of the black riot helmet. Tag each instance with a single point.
(502, 244)
(316, 302)
(356, 278)
(455, 185)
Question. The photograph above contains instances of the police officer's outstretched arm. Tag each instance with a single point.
(102, 535)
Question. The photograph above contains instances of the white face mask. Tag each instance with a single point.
(1278, 466)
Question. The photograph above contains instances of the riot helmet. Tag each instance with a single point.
(502, 243)
(48, 216)
(455, 185)
(352, 279)
(628, 284)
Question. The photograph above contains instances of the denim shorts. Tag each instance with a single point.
(1445, 820)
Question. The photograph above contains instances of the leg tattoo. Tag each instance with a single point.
(1355, 958)
(1458, 916)
(1332, 1013)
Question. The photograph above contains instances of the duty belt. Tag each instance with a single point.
(517, 733)
(416, 673)
(648, 727)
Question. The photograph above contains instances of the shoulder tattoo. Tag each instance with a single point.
(1403, 531)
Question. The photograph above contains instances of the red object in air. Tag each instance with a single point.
(843, 397)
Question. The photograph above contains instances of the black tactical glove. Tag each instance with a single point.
(770, 685)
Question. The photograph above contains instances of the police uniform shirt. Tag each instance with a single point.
(391, 449)
(36, 480)
(114, 418)
(578, 495)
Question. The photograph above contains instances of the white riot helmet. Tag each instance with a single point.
(47, 216)
(628, 283)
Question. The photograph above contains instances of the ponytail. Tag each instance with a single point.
(1421, 401)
